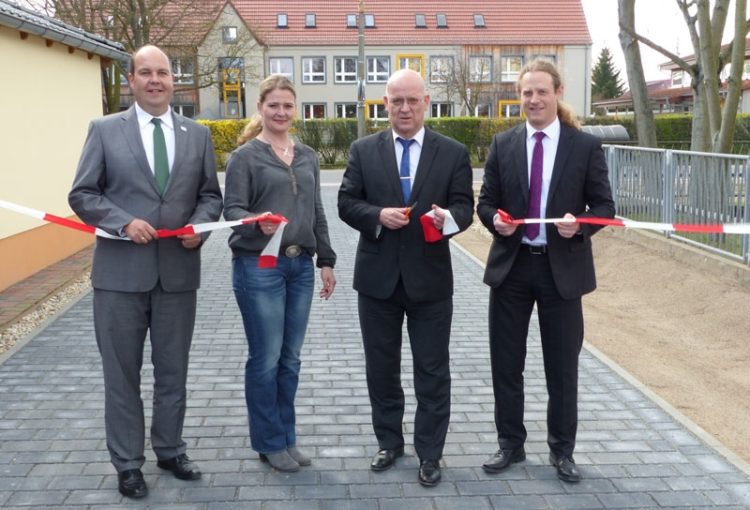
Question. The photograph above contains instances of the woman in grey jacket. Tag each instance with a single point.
(269, 172)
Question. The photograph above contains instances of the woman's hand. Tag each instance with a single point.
(329, 282)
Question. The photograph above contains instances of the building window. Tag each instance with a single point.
(313, 70)
(281, 65)
(186, 110)
(229, 35)
(310, 20)
(509, 109)
(313, 111)
(482, 110)
(420, 21)
(677, 78)
(351, 21)
(376, 110)
(479, 21)
(183, 70)
(378, 69)
(345, 69)
(282, 21)
(442, 20)
(441, 69)
(369, 21)
(480, 69)
(413, 62)
(510, 68)
(441, 110)
(346, 110)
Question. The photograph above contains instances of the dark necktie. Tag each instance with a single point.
(404, 169)
(161, 163)
(535, 186)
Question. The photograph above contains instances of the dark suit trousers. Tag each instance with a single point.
(561, 325)
(121, 321)
(428, 325)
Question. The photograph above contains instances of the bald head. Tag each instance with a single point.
(406, 100)
(150, 79)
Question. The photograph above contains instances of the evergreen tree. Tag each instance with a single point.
(605, 79)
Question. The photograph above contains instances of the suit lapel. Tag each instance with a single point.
(430, 149)
(520, 161)
(564, 146)
(390, 167)
(132, 135)
(180, 145)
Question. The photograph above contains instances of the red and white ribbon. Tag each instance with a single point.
(267, 258)
(707, 228)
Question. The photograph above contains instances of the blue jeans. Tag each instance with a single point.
(275, 306)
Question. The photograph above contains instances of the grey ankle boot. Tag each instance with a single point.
(280, 461)
(297, 455)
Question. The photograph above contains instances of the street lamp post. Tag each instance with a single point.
(361, 72)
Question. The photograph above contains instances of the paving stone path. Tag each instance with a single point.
(631, 452)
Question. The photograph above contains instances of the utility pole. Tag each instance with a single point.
(361, 72)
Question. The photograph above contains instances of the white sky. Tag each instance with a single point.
(659, 20)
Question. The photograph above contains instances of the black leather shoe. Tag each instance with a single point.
(385, 458)
(503, 459)
(131, 484)
(566, 468)
(429, 473)
(182, 467)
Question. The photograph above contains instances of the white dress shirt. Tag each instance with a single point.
(549, 144)
(147, 134)
(415, 150)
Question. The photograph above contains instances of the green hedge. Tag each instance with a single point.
(331, 138)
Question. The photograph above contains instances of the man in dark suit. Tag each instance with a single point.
(142, 170)
(398, 273)
(544, 168)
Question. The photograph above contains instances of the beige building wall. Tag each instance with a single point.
(576, 68)
(43, 133)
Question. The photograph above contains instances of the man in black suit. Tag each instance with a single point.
(397, 272)
(544, 168)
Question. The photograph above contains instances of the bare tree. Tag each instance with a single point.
(644, 115)
(712, 130)
(466, 80)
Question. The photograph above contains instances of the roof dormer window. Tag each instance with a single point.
(420, 21)
(442, 20)
(479, 21)
(369, 20)
(351, 21)
(282, 21)
(310, 20)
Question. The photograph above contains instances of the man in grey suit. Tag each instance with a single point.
(398, 273)
(142, 170)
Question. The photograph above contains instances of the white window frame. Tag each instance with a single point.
(308, 111)
(480, 69)
(437, 77)
(373, 109)
(309, 74)
(229, 34)
(341, 110)
(440, 107)
(340, 74)
(373, 74)
(181, 76)
(507, 71)
(278, 69)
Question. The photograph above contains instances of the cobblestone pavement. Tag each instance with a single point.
(631, 452)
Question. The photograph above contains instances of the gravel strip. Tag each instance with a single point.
(32, 319)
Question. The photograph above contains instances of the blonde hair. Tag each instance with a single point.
(271, 83)
(564, 112)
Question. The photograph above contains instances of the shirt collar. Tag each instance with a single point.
(552, 131)
(144, 117)
(418, 137)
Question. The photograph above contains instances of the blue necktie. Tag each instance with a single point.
(404, 169)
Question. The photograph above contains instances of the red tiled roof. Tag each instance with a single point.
(507, 22)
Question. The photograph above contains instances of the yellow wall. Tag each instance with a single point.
(47, 98)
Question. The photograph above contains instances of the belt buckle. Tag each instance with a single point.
(293, 250)
(537, 249)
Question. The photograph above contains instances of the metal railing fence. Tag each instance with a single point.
(675, 186)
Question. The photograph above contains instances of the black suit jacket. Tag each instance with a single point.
(371, 183)
(579, 185)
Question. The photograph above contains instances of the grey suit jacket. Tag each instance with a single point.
(371, 182)
(579, 185)
(114, 185)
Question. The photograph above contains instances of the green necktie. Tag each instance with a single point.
(161, 163)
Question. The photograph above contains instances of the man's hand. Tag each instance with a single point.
(190, 241)
(439, 217)
(140, 232)
(568, 230)
(502, 228)
(329, 282)
(394, 218)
